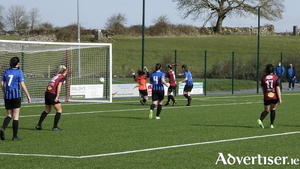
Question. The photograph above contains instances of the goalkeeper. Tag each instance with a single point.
(142, 82)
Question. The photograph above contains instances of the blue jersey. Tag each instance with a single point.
(155, 80)
(12, 79)
(188, 75)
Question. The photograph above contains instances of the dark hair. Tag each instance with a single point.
(140, 72)
(185, 67)
(14, 61)
(158, 66)
(170, 66)
(269, 68)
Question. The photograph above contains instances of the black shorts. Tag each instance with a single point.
(49, 99)
(171, 89)
(12, 103)
(188, 88)
(143, 92)
(158, 95)
(269, 102)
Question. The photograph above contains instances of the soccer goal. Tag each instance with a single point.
(89, 65)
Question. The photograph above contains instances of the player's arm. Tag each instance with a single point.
(3, 86)
(278, 94)
(26, 91)
(58, 91)
(164, 82)
(185, 79)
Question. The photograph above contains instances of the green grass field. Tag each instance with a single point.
(120, 135)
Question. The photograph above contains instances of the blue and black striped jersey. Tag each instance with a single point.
(12, 78)
(156, 82)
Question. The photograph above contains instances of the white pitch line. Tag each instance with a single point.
(144, 109)
(153, 149)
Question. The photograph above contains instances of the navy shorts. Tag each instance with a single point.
(12, 103)
(158, 95)
(188, 88)
(269, 102)
(143, 92)
(171, 89)
(49, 99)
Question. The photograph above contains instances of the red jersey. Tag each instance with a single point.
(172, 79)
(269, 84)
(52, 85)
(142, 81)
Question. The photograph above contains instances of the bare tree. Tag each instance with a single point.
(16, 17)
(1, 18)
(116, 23)
(33, 16)
(219, 9)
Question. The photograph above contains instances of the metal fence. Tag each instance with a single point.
(209, 67)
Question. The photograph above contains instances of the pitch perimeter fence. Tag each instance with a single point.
(220, 72)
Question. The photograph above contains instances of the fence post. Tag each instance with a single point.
(232, 74)
(205, 58)
(175, 69)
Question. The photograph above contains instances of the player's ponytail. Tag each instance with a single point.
(14, 62)
(158, 66)
(62, 69)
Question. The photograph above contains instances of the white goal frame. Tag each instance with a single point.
(86, 62)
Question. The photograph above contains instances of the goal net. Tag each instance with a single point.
(89, 66)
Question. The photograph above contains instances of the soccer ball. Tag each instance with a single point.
(101, 79)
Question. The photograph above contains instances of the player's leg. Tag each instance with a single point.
(7, 119)
(15, 125)
(161, 94)
(264, 113)
(272, 115)
(57, 116)
(169, 96)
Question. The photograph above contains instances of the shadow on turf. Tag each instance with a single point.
(222, 125)
(285, 125)
(119, 117)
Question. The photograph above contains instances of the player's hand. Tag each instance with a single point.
(145, 68)
(133, 74)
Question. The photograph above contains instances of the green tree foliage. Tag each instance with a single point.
(219, 9)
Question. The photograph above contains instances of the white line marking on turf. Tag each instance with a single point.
(144, 109)
(153, 149)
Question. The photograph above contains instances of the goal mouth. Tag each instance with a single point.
(86, 63)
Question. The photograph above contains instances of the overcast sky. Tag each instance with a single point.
(93, 14)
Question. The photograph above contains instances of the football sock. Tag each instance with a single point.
(159, 107)
(263, 115)
(172, 98)
(169, 98)
(6, 122)
(189, 99)
(15, 128)
(185, 95)
(152, 107)
(144, 100)
(42, 118)
(272, 116)
(56, 119)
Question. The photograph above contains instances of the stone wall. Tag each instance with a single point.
(104, 34)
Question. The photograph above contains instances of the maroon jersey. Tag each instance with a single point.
(269, 84)
(172, 79)
(52, 85)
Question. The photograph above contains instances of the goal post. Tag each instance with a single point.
(86, 63)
